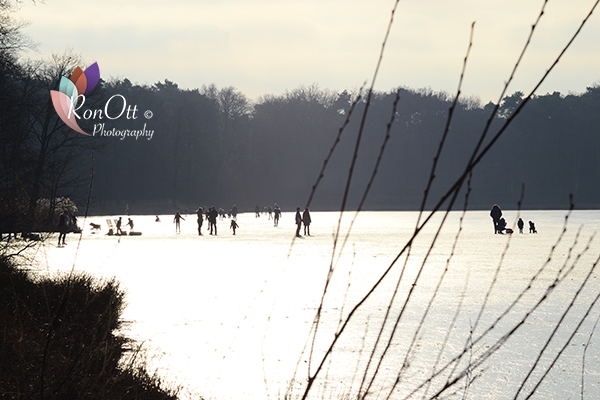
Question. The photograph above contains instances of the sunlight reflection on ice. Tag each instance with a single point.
(228, 316)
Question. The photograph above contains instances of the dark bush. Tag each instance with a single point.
(58, 340)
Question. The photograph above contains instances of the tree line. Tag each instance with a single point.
(214, 146)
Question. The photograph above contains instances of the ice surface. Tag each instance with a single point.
(229, 317)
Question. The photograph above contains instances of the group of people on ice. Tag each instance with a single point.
(275, 213)
(303, 219)
(500, 222)
(272, 212)
(119, 226)
(211, 215)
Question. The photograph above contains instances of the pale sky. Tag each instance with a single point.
(270, 46)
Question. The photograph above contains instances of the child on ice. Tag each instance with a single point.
(234, 225)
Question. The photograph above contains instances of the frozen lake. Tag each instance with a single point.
(232, 317)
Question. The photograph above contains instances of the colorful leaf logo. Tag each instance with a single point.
(70, 90)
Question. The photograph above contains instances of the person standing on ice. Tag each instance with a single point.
(63, 227)
(177, 219)
(212, 219)
(520, 224)
(200, 212)
(496, 214)
(130, 224)
(298, 222)
(306, 220)
(277, 214)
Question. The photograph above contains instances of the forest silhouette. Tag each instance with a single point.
(214, 146)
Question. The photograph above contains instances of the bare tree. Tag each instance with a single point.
(53, 151)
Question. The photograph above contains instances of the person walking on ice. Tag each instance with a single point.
(119, 222)
(234, 225)
(532, 227)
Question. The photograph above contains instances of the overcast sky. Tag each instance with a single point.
(269, 46)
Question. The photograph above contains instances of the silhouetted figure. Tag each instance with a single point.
(234, 211)
(63, 227)
(200, 212)
(306, 220)
(270, 212)
(276, 215)
(206, 217)
(501, 225)
(298, 221)
(119, 222)
(177, 221)
(520, 224)
(234, 225)
(157, 219)
(532, 227)
(496, 214)
(130, 224)
(257, 211)
(212, 218)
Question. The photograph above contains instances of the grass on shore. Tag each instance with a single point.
(58, 340)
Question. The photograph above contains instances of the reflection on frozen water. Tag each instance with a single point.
(230, 317)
